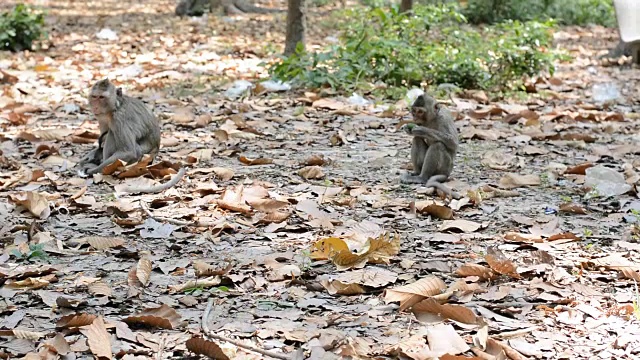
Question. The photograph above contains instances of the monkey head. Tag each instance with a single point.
(102, 98)
(424, 109)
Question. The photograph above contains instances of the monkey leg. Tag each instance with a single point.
(129, 156)
(436, 167)
(418, 151)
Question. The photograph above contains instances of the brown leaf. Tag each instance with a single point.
(500, 263)
(410, 294)
(98, 338)
(315, 160)
(101, 243)
(274, 217)
(425, 309)
(480, 271)
(267, 205)
(579, 169)
(208, 348)
(100, 288)
(224, 174)
(630, 274)
(75, 320)
(234, 206)
(311, 172)
(113, 167)
(143, 270)
(163, 317)
(573, 208)
(204, 269)
(35, 202)
(337, 287)
(512, 181)
(259, 161)
(462, 225)
(59, 344)
(439, 211)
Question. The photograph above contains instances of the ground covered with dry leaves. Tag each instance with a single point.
(291, 233)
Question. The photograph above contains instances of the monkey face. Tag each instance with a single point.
(424, 110)
(102, 98)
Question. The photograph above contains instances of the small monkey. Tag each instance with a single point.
(434, 147)
(128, 129)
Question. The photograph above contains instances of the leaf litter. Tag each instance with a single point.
(291, 219)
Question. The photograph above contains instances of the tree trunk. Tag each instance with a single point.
(296, 26)
(406, 5)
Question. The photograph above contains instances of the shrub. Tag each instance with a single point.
(382, 49)
(566, 12)
(20, 27)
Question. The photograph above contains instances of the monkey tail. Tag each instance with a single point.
(160, 187)
(436, 181)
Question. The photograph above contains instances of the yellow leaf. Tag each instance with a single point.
(323, 249)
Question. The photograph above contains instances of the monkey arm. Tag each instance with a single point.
(432, 136)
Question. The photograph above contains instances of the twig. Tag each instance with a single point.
(144, 208)
(209, 333)
(510, 334)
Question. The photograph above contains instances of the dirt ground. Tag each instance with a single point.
(526, 265)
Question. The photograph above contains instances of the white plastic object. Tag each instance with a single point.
(606, 181)
(628, 15)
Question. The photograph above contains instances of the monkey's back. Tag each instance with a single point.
(135, 118)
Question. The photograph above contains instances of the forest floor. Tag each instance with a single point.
(529, 264)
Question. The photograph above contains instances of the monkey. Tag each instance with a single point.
(128, 130)
(95, 156)
(434, 146)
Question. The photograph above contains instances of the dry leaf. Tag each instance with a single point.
(100, 288)
(267, 205)
(75, 320)
(324, 249)
(98, 338)
(337, 287)
(579, 169)
(439, 211)
(480, 271)
(143, 270)
(36, 203)
(204, 269)
(163, 317)
(512, 181)
(208, 348)
(101, 243)
(224, 174)
(454, 312)
(315, 160)
(462, 225)
(259, 161)
(311, 172)
(500, 264)
(410, 294)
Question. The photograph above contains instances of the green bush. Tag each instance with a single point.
(382, 49)
(565, 12)
(20, 27)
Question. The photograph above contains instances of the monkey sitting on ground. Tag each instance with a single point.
(434, 147)
(128, 130)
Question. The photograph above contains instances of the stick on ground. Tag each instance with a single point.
(209, 333)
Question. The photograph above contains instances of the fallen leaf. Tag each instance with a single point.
(98, 338)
